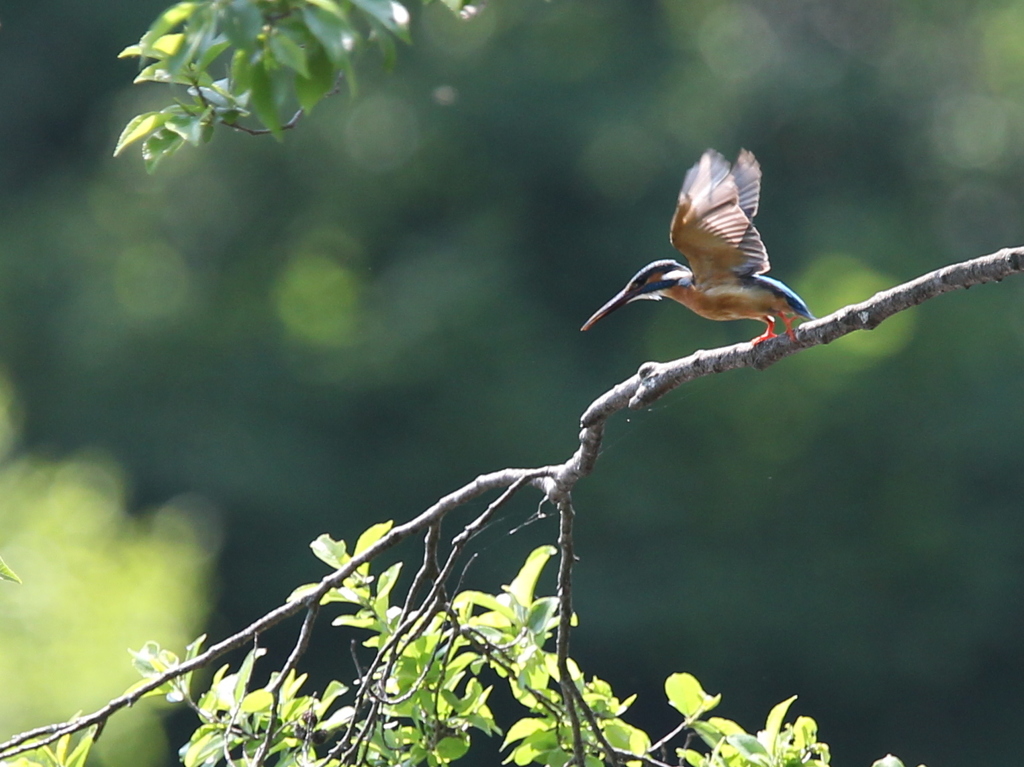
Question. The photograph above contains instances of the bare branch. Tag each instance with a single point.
(654, 380)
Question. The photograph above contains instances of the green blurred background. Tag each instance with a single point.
(205, 369)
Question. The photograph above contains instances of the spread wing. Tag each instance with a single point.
(713, 223)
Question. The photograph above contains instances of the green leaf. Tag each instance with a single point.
(774, 723)
(318, 83)
(328, 550)
(332, 31)
(385, 583)
(542, 615)
(166, 21)
(328, 5)
(725, 726)
(450, 749)
(693, 758)
(525, 582)
(189, 127)
(392, 15)
(708, 732)
(200, 35)
(360, 620)
(289, 53)
(524, 728)
(207, 744)
(750, 747)
(685, 694)
(245, 673)
(81, 751)
(215, 50)
(371, 536)
(385, 43)
(159, 146)
(257, 700)
(805, 732)
(165, 45)
(7, 574)
(626, 737)
(242, 23)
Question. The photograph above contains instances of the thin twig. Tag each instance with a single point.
(661, 743)
(264, 131)
(591, 718)
(565, 681)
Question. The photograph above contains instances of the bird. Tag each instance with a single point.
(713, 226)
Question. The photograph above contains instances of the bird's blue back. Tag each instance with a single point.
(782, 289)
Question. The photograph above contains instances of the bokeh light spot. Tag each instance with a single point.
(459, 37)
(971, 130)
(382, 133)
(621, 160)
(837, 280)
(316, 301)
(737, 42)
(151, 281)
(1002, 48)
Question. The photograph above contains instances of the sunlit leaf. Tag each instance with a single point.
(189, 127)
(750, 747)
(7, 574)
(685, 694)
(774, 722)
(245, 673)
(525, 582)
(166, 21)
(542, 615)
(385, 582)
(78, 756)
(805, 732)
(159, 146)
(257, 700)
(207, 743)
(328, 550)
(371, 535)
(166, 45)
(450, 749)
(524, 728)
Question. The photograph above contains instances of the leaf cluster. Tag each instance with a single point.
(426, 686)
(247, 63)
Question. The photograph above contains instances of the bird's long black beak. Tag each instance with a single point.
(621, 298)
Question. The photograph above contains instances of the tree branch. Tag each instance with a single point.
(651, 382)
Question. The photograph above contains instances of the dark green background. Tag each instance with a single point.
(846, 525)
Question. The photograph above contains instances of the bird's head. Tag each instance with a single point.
(651, 282)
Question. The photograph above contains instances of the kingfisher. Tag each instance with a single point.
(713, 227)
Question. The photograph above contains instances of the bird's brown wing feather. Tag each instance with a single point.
(712, 223)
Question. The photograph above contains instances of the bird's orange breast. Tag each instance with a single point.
(731, 301)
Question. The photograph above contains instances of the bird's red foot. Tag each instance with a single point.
(789, 328)
(769, 332)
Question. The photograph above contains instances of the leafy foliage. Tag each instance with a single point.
(427, 687)
(242, 61)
